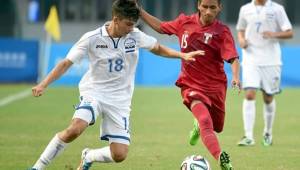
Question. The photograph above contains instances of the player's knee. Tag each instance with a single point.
(205, 122)
(119, 156)
(250, 95)
(74, 132)
(268, 98)
(71, 133)
(218, 129)
(118, 151)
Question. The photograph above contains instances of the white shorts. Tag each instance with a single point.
(115, 120)
(266, 78)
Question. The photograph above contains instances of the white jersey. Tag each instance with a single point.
(112, 64)
(255, 20)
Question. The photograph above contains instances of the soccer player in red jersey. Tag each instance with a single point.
(203, 82)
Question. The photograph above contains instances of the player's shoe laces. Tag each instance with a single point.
(225, 162)
(83, 164)
(267, 140)
(246, 142)
(194, 133)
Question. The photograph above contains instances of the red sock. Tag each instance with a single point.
(207, 133)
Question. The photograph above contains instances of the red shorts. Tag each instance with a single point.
(215, 102)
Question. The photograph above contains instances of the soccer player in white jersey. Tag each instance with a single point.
(261, 24)
(106, 88)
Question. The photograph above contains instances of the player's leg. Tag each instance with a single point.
(85, 114)
(269, 114)
(251, 82)
(115, 130)
(194, 133)
(59, 142)
(189, 95)
(270, 86)
(115, 152)
(248, 117)
(217, 112)
(206, 129)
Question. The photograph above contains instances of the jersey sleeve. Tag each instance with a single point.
(146, 41)
(228, 50)
(241, 23)
(171, 27)
(283, 20)
(79, 50)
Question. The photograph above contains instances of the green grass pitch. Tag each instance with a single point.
(159, 131)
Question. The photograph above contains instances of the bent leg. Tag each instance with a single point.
(74, 130)
(59, 142)
(207, 133)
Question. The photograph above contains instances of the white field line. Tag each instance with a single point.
(18, 96)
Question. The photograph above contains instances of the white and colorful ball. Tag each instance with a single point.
(195, 162)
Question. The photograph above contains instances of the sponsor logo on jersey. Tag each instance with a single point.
(101, 46)
(129, 45)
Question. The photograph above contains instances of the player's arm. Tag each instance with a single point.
(59, 70)
(241, 38)
(279, 35)
(235, 68)
(152, 21)
(161, 50)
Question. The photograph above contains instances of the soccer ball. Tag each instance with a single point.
(195, 162)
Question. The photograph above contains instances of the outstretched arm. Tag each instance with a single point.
(59, 70)
(279, 35)
(152, 21)
(170, 53)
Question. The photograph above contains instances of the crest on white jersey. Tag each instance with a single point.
(129, 45)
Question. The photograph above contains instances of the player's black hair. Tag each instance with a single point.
(219, 1)
(126, 9)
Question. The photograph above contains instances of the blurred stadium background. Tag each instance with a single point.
(22, 42)
(27, 125)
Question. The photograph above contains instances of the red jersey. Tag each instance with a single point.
(206, 73)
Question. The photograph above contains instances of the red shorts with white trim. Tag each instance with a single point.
(214, 101)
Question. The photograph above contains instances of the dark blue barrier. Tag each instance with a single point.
(157, 71)
(18, 60)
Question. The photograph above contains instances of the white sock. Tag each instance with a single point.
(54, 148)
(269, 114)
(99, 155)
(249, 117)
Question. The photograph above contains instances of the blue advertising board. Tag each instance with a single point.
(157, 71)
(72, 77)
(18, 60)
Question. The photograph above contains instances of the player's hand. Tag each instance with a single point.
(191, 55)
(236, 84)
(38, 90)
(268, 34)
(243, 44)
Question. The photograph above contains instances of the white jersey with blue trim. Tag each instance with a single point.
(255, 20)
(112, 63)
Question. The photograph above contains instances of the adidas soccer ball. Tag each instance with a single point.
(195, 162)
